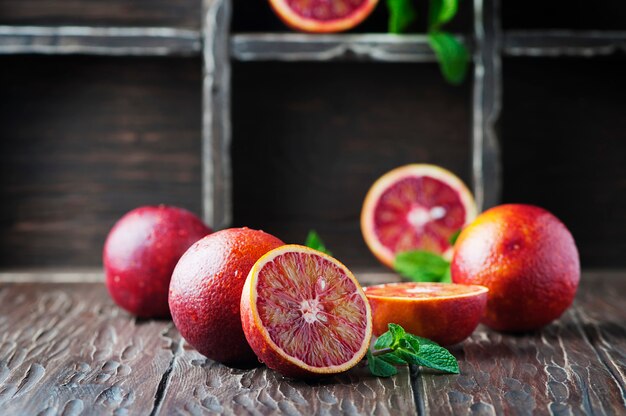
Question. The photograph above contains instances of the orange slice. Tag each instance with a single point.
(304, 313)
(415, 207)
(446, 313)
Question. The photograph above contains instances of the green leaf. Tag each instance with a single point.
(452, 56)
(384, 341)
(401, 14)
(447, 277)
(397, 334)
(438, 358)
(441, 12)
(454, 237)
(392, 358)
(380, 367)
(314, 241)
(421, 266)
(420, 340)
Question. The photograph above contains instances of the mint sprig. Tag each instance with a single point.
(396, 347)
(314, 241)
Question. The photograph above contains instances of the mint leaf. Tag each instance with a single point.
(447, 277)
(384, 341)
(314, 241)
(421, 266)
(397, 334)
(393, 359)
(420, 340)
(438, 358)
(454, 237)
(380, 367)
(452, 56)
(441, 12)
(401, 14)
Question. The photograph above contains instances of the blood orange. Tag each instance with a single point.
(527, 258)
(323, 16)
(446, 313)
(415, 207)
(205, 292)
(141, 252)
(304, 313)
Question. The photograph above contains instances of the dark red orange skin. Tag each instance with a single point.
(205, 292)
(141, 252)
(447, 321)
(527, 258)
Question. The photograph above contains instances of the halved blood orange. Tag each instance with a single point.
(446, 313)
(323, 16)
(415, 207)
(304, 313)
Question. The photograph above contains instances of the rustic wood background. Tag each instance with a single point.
(174, 13)
(86, 139)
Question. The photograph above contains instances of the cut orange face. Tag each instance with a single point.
(415, 207)
(323, 16)
(446, 313)
(304, 313)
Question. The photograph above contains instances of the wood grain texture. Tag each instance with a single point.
(86, 140)
(175, 13)
(486, 104)
(67, 349)
(216, 118)
(574, 366)
(214, 388)
(115, 41)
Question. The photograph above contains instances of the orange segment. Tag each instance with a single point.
(446, 313)
(304, 313)
(415, 207)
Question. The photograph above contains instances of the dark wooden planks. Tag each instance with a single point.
(67, 348)
(574, 366)
(85, 140)
(176, 13)
(309, 140)
(211, 387)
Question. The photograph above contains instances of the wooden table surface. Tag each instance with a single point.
(66, 349)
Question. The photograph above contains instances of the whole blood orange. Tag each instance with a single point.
(141, 252)
(415, 207)
(304, 313)
(322, 16)
(205, 292)
(528, 260)
(442, 312)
